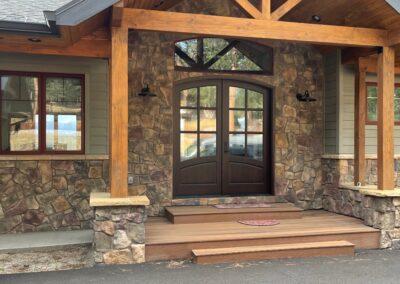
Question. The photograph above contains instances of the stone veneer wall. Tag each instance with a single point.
(298, 126)
(49, 195)
(379, 212)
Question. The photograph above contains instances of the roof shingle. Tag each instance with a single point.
(28, 11)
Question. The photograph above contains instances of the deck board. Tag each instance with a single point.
(312, 223)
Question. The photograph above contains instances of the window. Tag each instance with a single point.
(223, 55)
(41, 113)
(372, 103)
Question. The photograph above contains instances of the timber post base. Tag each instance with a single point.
(119, 232)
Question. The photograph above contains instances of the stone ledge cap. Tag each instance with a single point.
(104, 199)
(381, 193)
(371, 190)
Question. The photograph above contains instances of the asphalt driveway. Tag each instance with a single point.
(379, 266)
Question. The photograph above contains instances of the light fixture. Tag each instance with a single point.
(316, 18)
(145, 92)
(34, 39)
(305, 97)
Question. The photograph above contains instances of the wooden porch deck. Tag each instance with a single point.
(166, 241)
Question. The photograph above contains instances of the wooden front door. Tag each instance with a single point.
(222, 138)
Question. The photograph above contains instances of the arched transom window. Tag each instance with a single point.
(223, 55)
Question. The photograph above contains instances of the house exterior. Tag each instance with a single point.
(84, 144)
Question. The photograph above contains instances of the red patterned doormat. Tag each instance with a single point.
(260, 222)
(238, 206)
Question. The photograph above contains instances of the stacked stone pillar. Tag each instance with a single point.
(119, 234)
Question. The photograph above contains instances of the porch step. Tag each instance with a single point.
(210, 214)
(166, 241)
(296, 250)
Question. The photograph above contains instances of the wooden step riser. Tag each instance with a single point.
(194, 219)
(282, 254)
(156, 252)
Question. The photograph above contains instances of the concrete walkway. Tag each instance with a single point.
(45, 240)
(367, 267)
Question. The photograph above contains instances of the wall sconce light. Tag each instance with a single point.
(305, 97)
(145, 92)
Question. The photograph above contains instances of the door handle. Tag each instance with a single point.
(226, 147)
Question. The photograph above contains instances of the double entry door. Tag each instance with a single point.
(222, 138)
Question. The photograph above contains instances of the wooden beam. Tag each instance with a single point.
(266, 8)
(117, 14)
(386, 119)
(284, 9)
(163, 21)
(394, 37)
(248, 8)
(350, 55)
(83, 48)
(370, 64)
(119, 113)
(360, 116)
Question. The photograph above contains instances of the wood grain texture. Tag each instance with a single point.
(165, 241)
(386, 119)
(249, 8)
(360, 117)
(251, 28)
(266, 8)
(251, 253)
(119, 113)
(284, 9)
(210, 214)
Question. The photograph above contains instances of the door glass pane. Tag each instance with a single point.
(188, 120)
(208, 96)
(189, 98)
(188, 146)
(208, 120)
(255, 121)
(236, 97)
(237, 120)
(255, 146)
(208, 144)
(237, 144)
(19, 113)
(254, 99)
(63, 114)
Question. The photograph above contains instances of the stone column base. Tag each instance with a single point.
(119, 235)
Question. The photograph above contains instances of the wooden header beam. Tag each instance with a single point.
(83, 48)
(162, 21)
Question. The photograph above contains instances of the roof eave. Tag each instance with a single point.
(19, 27)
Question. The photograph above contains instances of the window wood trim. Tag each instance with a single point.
(372, 122)
(42, 76)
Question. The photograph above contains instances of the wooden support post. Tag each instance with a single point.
(386, 61)
(360, 113)
(119, 112)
